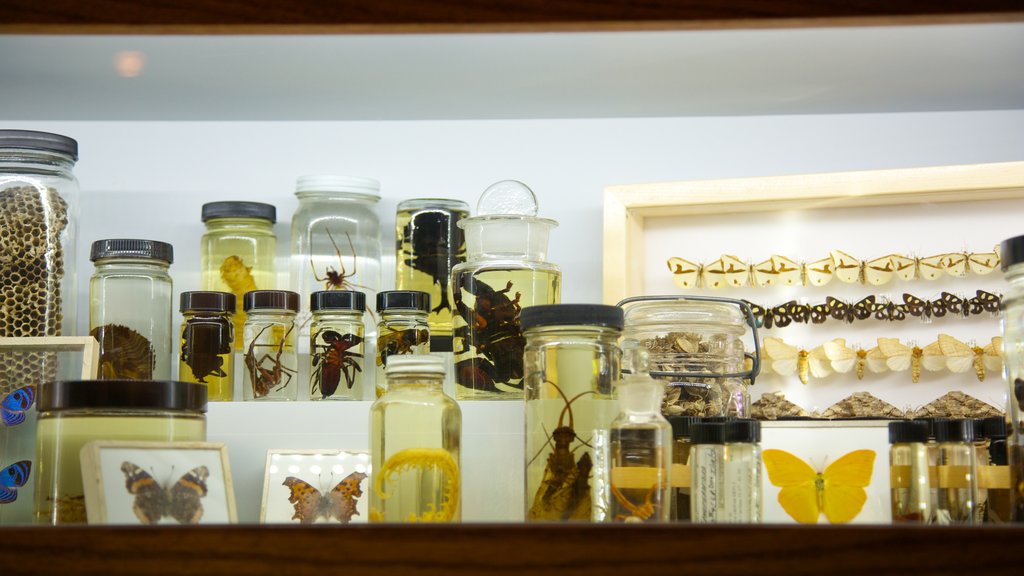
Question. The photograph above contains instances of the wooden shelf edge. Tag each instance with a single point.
(521, 549)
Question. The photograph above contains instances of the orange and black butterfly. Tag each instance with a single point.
(338, 504)
(180, 501)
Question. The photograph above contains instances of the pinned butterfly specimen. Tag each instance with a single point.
(686, 274)
(13, 477)
(876, 360)
(924, 309)
(903, 268)
(338, 504)
(180, 501)
(985, 301)
(890, 311)
(847, 268)
(932, 357)
(837, 492)
(844, 358)
(931, 267)
(14, 405)
(993, 355)
(819, 272)
(777, 270)
(981, 263)
(880, 270)
(849, 312)
(900, 357)
(787, 359)
(726, 271)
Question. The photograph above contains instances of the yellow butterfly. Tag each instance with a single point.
(993, 359)
(844, 358)
(848, 268)
(805, 493)
(932, 358)
(903, 267)
(932, 267)
(880, 270)
(787, 359)
(981, 263)
(876, 360)
(776, 270)
(726, 271)
(899, 357)
(686, 274)
(959, 356)
(819, 273)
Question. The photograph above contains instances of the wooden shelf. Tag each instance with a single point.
(515, 549)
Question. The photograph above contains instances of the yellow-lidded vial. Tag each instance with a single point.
(207, 342)
(73, 413)
(237, 251)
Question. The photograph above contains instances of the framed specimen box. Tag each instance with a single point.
(157, 483)
(315, 486)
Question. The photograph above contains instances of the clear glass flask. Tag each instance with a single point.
(1012, 320)
(237, 251)
(681, 448)
(910, 482)
(572, 362)
(130, 308)
(402, 329)
(415, 445)
(505, 271)
(336, 345)
(207, 342)
(270, 359)
(957, 473)
(641, 453)
(429, 243)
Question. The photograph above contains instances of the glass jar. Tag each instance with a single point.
(505, 271)
(237, 252)
(695, 345)
(681, 447)
(572, 362)
(73, 413)
(1012, 319)
(641, 453)
(429, 243)
(957, 474)
(402, 329)
(270, 359)
(415, 443)
(726, 472)
(336, 345)
(335, 242)
(38, 210)
(207, 342)
(130, 308)
(910, 481)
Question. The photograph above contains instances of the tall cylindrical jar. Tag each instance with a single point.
(1012, 257)
(681, 449)
(270, 360)
(957, 472)
(726, 472)
(38, 211)
(572, 362)
(402, 329)
(73, 413)
(237, 251)
(335, 242)
(910, 482)
(428, 244)
(130, 308)
(207, 342)
(415, 445)
(640, 440)
(506, 270)
(336, 345)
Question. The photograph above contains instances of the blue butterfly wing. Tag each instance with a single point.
(14, 405)
(12, 418)
(14, 476)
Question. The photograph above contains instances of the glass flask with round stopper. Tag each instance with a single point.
(640, 439)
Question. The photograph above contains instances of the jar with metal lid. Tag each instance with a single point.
(38, 210)
(402, 328)
(270, 359)
(572, 362)
(415, 445)
(336, 345)
(237, 251)
(73, 413)
(725, 472)
(910, 482)
(1012, 320)
(335, 236)
(957, 472)
(506, 270)
(695, 345)
(429, 243)
(207, 342)
(130, 308)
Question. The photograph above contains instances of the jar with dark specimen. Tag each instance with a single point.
(270, 359)
(506, 270)
(130, 308)
(38, 209)
(237, 252)
(402, 328)
(909, 472)
(336, 345)
(429, 243)
(73, 413)
(1012, 319)
(207, 342)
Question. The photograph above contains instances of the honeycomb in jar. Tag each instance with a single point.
(32, 266)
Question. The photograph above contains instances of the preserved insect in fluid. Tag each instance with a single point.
(402, 329)
(270, 357)
(336, 358)
(266, 372)
(127, 355)
(336, 345)
(429, 243)
(641, 460)
(337, 278)
(908, 471)
(489, 341)
(207, 335)
(957, 472)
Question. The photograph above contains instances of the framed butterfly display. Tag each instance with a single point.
(315, 487)
(151, 483)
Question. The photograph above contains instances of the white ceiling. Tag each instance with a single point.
(495, 76)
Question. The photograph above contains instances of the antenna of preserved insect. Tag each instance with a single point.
(561, 420)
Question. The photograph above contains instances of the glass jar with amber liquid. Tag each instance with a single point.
(207, 342)
(270, 359)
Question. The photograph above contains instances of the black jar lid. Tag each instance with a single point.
(207, 301)
(572, 315)
(441, 344)
(741, 430)
(128, 394)
(707, 433)
(337, 300)
(992, 427)
(236, 209)
(904, 431)
(270, 300)
(1011, 251)
(403, 300)
(682, 426)
(131, 248)
(953, 430)
(34, 140)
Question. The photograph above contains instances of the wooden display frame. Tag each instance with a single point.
(87, 345)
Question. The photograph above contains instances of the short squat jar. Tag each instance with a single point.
(73, 413)
(270, 360)
(207, 342)
(402, 328)
(336, 345)
(130, 308)
(237, 252)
